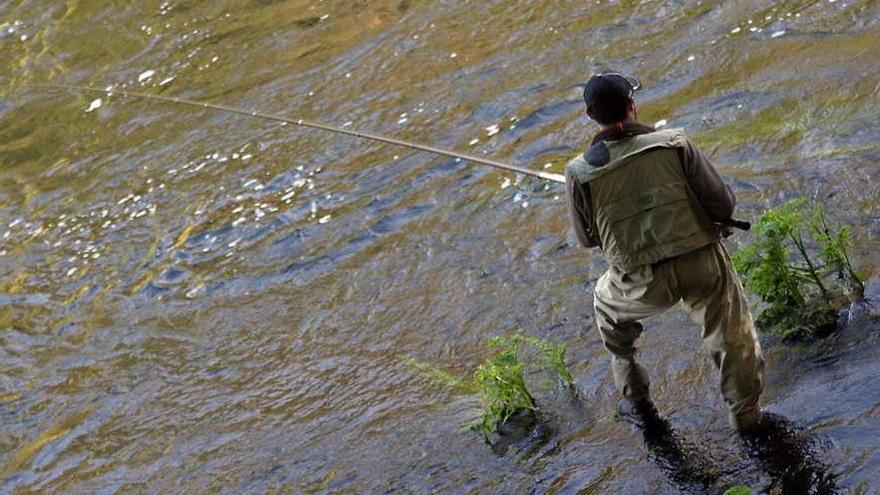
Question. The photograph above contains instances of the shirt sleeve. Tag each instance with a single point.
(716, 198)
(580, 207)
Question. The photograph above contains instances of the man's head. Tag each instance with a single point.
(609, 98)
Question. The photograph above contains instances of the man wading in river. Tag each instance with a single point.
(653, 203)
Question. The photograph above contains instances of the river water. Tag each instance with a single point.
(195, 302)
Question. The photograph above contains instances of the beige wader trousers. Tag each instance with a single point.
(707, 283)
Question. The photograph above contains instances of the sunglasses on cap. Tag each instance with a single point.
(630, 83)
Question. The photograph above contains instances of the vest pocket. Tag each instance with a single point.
(654, 217)
(645, 201)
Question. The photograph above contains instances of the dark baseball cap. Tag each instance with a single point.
(607, 95)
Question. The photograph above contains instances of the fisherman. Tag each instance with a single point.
(656, 207)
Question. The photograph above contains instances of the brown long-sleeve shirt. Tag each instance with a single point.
(715, 197)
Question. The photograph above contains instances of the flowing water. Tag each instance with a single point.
(196, 302)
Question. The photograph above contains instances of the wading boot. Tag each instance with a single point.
(749, 424)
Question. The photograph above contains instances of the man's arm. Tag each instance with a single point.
(579, 203)
(716, 198)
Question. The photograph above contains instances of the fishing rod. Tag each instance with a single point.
(739, 224)
(313, 125)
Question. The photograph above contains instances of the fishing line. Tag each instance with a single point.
(335, 129)
(313, 125)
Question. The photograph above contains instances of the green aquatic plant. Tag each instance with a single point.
(800, 303)
(501, 379)
(739, 490)
(764, 264)
(834, 248)
(438, 375)
(552, 355)
(502, 387)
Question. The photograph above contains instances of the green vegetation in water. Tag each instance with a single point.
(439, 375)
(739, 490)
(834, 250)
(500, 379)
(502, 386)
(800, 301)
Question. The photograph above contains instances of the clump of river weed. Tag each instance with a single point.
(804, 293)
(501, 379)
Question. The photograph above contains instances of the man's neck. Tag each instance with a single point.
(605, 127)
(627, 129)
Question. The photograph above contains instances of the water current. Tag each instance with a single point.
(196, 302)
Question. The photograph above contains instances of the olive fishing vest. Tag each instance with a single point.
(642, 204)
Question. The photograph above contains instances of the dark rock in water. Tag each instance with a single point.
(527, 431)
(859, 312)
(799, 324)
(519, 425)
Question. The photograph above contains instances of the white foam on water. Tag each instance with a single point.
(94, 105)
